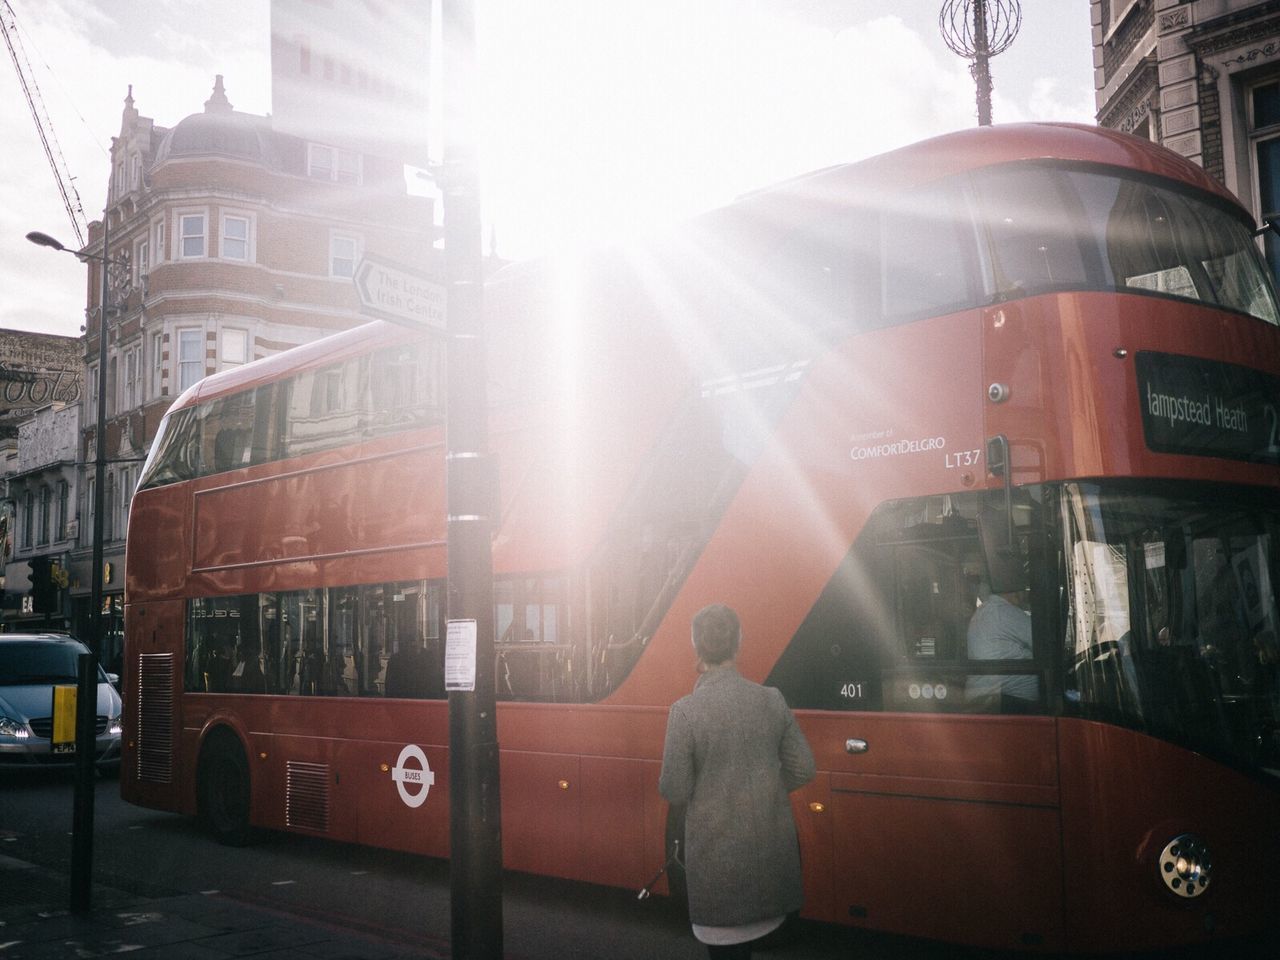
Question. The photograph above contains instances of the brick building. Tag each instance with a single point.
(239, 241)
(1201, 77)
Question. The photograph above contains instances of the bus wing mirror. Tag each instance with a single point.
(1270, 221)
(1006, 566)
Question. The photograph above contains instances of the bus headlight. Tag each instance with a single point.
(115, 727)
(1185, 866)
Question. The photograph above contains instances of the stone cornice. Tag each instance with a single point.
(1135, 101)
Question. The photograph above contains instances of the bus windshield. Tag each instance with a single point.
(1052, 228)
(1172, 618)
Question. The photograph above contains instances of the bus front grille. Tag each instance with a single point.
(155, 717)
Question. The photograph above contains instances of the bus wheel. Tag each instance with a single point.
(224, 790)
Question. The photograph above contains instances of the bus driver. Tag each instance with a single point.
(1000, 629)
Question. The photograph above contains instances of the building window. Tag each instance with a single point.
(343, 253)
(127, 481)
(234, 350)
(132, 377)
(108, 508)
(349, 168)
(141, 261)
(1264, 134)
(93, 393)
(28, 518)
(190, 357)
(157, 363)
(159, 238)
(330, 163)
(192, 236)
(90, 502)
(64, 499)
(236, 238)
(112, 381)
(46, 509)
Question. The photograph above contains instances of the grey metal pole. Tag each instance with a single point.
(981, 63)
(87, 698)
(475, 814)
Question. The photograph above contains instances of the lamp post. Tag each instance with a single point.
(475, 808)
(87, 692)
(979, 30)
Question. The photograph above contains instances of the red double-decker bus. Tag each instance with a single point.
(979, 438)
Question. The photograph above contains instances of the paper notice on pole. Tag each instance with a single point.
(460, 655)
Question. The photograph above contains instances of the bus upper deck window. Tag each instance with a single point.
(928, 253)
(1034, 224)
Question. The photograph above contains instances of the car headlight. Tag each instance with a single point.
(13, 728)
(114, 726)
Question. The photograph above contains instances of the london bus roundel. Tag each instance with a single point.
(413, 783)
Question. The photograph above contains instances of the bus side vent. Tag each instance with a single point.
(307, 796)
(155, 717)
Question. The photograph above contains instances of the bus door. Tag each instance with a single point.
(944, 803)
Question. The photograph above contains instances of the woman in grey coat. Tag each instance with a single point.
(733, 752)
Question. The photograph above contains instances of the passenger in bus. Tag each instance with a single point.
(733, 753)
(218, 667)
(409, 671)
(1000, 629)
(247, 677)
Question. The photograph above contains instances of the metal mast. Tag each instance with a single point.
(48, 140)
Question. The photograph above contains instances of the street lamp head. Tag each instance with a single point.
(44, 240)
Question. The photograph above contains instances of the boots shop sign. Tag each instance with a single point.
(36, 370)
(21, 389)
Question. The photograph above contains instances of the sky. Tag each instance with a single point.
(599, 119)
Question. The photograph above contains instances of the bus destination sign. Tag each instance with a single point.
(1210, 409)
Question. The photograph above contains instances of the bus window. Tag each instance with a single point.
(175, 452)
(406, 385)
(372, 640)
(327, 407)
(1173, 625)
(226, 432)
(1034, 225)
(535, 654)
(909, 622)
(1161, 241)
(928, 253)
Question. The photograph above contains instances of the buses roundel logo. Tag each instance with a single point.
(413, 782)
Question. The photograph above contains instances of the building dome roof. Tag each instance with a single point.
(219, 131)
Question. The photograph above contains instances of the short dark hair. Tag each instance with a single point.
(716, 634)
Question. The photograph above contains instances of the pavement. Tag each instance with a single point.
(36, 924)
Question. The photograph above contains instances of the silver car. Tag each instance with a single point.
(31, 664)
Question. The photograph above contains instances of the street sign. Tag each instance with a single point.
(396, 293)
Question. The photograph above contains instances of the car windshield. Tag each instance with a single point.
(39, 661)
(1172, 617)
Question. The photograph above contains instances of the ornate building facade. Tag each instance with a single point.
(232, 241)
(1201, 77)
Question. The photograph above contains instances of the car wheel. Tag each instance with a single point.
(224, 790)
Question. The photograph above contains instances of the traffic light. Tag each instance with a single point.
(44, 592)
